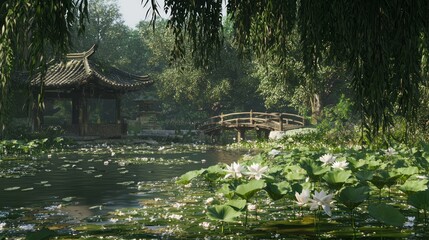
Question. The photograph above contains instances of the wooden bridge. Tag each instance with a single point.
(262, 122)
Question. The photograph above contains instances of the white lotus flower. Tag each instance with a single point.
(209, 201)
(342, 165)
(327, 159)
(256, 171)
(302, 198)
(26, 227)
(409, 222)
(234, 171)
(274, 152)
(390, 151)
(205, 225)
(322, 199)
(2, 225)
(251, 207)
(175, 216)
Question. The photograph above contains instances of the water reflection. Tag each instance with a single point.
(85, 180)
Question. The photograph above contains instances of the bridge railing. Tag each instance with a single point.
(271, 121)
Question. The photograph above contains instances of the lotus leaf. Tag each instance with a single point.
(383, 178)
(352, 197)
(247, 190)
(277, 190)
(408, 170)
(356, 163)
(43, 233)
(294, 173)
(364, 176)
(386, 214)
(214, 172)
(187, 177)
(414, 185)
(223, 213)
(225, 191)
(336, 179)
(420, 200)
(237, 204)
(314, 171)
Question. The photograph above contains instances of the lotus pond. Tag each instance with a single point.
(191, 191)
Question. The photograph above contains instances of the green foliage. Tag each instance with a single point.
(367, 36)
(284, 82)
(415, 185)
(187, 177)
(386, 214)
(336, 179)
(223, 213)
(183, 89)
(248, 190)
(339, 124)
(238, 204)
(277, 191)
(419, 200)
(352, 197)
(42, 234)
(17, 147)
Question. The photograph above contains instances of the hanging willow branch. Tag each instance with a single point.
(383, 43)
(29, 31)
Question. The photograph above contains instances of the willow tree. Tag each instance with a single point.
(32, 31)
(384, 43)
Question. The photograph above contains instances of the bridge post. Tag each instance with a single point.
(241, 134)
(281, 122)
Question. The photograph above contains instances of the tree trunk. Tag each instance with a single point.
(316, 108)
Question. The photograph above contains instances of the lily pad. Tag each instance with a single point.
(68, 199)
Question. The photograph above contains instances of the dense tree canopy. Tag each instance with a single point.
(384, 43)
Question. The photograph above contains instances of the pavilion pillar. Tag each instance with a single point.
(83, 115)
(118, 109)
(75, 109)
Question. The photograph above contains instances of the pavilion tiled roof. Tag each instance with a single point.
(78, 70)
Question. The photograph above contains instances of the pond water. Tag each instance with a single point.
(95, 180)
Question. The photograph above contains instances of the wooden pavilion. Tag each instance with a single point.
(80, 79)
